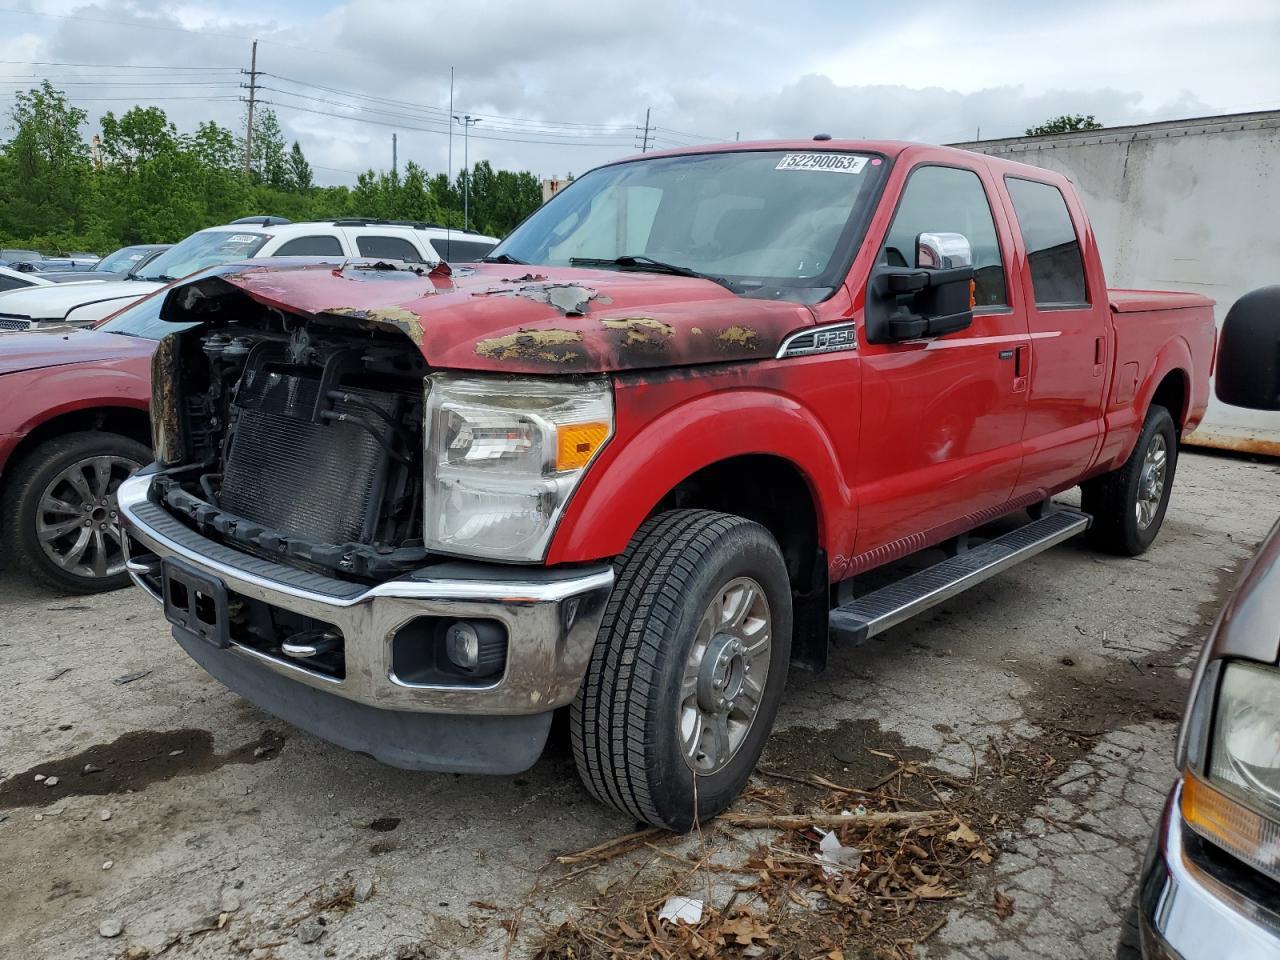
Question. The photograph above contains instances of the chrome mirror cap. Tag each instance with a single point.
(943, 251)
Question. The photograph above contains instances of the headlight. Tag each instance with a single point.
(1239, 807)
(503, 457)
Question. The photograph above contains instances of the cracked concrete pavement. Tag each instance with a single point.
(214, 804)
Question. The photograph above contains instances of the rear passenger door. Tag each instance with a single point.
(942, 418)
(1068, 332)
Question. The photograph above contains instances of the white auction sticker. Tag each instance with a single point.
(243, 238)
(823, 162)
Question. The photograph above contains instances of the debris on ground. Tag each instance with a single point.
(681, 910)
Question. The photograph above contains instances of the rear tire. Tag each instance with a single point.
(672, 715)
(1128, 505)
(48, 493)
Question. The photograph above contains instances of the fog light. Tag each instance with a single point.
(462, 644)
(475, 647)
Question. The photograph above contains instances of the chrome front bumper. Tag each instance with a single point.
(551, 623)
(1189, 909)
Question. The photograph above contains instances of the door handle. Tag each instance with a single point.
(1099, 355)
(1021, 367)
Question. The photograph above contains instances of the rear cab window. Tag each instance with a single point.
(1053, 248)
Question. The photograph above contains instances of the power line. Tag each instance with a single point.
(108, 66)
(385, 123)
(618, 135)
(443, 113)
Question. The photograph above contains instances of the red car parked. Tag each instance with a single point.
(73, 425)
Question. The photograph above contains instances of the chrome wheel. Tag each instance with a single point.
(77, 520)
(1151, 481)
(724, 676)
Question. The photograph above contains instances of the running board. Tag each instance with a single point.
(881, 609)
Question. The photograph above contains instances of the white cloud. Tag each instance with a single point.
(933, 71)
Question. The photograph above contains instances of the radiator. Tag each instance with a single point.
(319, 481)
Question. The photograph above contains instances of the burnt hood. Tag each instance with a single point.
(516, 319)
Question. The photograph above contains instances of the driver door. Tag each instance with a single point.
(942, 418)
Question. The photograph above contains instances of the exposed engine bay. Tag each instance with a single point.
(294, 439)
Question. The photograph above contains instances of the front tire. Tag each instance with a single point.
(60, 520)
(688, 669)
(1128, 505)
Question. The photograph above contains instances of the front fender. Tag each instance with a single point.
(650, 454)
(33, 397)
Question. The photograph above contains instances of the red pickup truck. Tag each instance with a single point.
(632, 463)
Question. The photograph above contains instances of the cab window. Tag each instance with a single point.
(317, 246)
(949, 200)
(388, 248)
(1053, 249)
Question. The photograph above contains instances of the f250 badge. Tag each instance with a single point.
(837, 336)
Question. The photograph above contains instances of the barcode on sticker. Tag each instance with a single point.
(823, 162)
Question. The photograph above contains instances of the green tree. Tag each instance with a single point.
(268, 163)
(48, 187)
(147, 182)
(299, 170)
(1066, 123)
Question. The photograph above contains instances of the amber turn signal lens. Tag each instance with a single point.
(1231, 825)
(577, 443)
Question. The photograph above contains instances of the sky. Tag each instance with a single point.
(559, 87)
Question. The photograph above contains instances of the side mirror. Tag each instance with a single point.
(943, 251)
(1249, 352)
(931, 299)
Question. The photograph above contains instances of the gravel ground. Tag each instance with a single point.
(190, 824)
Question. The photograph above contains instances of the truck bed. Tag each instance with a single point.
(1135, 301)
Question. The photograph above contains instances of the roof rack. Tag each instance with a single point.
(262, 221)
(375, 222)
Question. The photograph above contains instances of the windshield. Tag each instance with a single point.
(208, 248)
(142, 319)
(122, 260)
(767, 223)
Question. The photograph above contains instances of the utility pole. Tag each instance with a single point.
(253, 95)
(644, 144)
(393, 155)
(467, 121)
(449, 185)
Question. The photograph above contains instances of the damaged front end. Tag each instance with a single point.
(291, 439)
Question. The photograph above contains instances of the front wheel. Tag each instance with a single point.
(687, 671)
(61, 521)
(1128, 505)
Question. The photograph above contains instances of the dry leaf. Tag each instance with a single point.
(933, 891)
(836, 955)
(963, 833)
(746, 930)
(982, 855)
(1004, 906)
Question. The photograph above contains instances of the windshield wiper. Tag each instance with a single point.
(647, 264)
(501, 258)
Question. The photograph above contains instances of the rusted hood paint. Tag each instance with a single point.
(518, 319)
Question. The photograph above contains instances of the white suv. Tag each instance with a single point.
(81, 304)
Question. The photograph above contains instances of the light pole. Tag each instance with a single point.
(467, 122)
